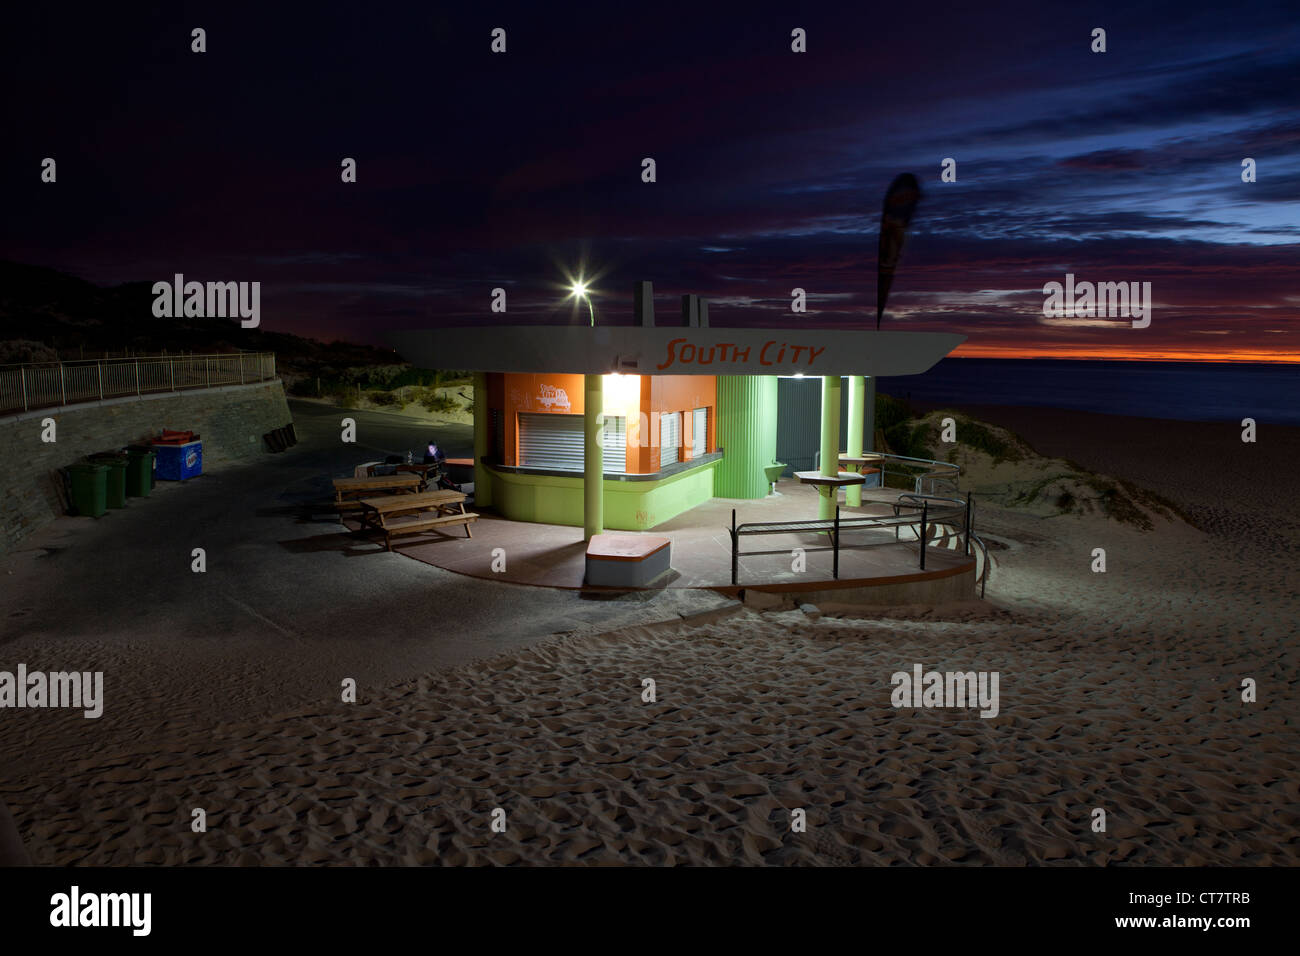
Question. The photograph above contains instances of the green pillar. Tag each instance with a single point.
(593, 456)
(482, 482)
(869, 415)
(853, 494)
(830, 450)
(746, 433)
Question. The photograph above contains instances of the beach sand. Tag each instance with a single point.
(1118, 690)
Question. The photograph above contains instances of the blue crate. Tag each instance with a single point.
(178, 462)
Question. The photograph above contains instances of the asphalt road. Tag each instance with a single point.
(289, 603)
(384, 433)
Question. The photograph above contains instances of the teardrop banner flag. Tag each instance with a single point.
(900, 203)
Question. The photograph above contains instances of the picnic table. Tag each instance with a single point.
(828, 486)
(346, 490)
(424, 511)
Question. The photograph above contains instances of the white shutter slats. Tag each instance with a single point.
(555, 442)
(550, 441)
(670, 438)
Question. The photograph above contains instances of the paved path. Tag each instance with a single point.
(289, 604)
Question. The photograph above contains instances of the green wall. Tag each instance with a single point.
(746, 433)
(629, 505)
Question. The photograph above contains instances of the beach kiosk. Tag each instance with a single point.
(624, 427)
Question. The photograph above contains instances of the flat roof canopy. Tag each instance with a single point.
(677, 350)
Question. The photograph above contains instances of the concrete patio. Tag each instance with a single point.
(554, 555)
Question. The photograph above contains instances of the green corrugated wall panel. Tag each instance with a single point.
(746, 433)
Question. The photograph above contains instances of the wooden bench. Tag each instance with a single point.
(627, 560)
(347, 490)
(425, 511)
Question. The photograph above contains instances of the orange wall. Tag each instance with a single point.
(520, 392)
(681, 393)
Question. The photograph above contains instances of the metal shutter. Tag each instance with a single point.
(699, 432)
(615, 444)
(670, 438)
(556, 441)
(550, 441)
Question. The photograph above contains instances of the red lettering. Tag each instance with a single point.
(671, 358)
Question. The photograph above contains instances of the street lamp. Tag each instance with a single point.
(579, 291)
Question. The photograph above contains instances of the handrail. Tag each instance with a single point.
(35, 385)
(159, 357)
(943, 471)
(958, 514)
(984, 572)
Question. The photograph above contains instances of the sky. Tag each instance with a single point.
(479, 170)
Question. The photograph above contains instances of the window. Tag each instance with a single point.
(699, 432)
(670, 438)
(615, 444)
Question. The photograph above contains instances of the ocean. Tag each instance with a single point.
(1188, 391)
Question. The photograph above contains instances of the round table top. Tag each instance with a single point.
(837, 481)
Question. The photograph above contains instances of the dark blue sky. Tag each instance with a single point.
(479, 170)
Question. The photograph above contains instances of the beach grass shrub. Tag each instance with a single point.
(434, 402)
(980, 437)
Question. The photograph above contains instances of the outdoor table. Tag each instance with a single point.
(859, 465)
(417, 469)
(432, 509)
(394, 505)
(828, 486)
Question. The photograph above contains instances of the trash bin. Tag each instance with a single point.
(179, 462)
(139, 472)
(115, 485)
(89, 489)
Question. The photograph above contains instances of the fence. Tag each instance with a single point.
(933, 519)
(52, 384)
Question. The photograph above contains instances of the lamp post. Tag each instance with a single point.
(579, 291)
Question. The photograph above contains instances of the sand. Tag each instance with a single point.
(1119, 691)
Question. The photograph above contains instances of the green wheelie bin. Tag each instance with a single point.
(115, 486)
(139, 472)
(89, 488)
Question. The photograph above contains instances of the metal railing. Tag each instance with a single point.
(968, 528)
(924, 514)
(52, 384)
(928, 477)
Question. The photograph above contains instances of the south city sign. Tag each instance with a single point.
(675, 351)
